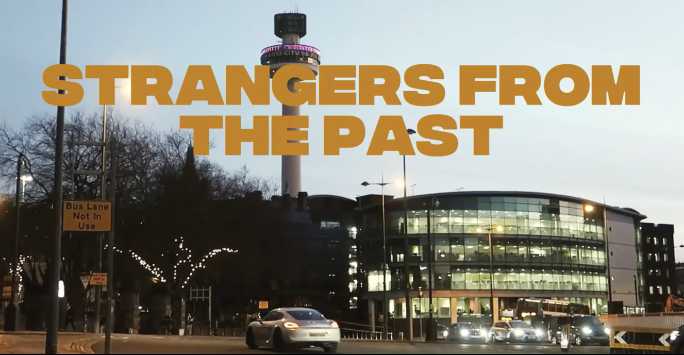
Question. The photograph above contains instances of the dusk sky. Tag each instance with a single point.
(629, 156)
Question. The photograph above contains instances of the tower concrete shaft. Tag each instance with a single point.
(290, 27)
(291, 165)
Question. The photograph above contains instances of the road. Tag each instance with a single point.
(134, 344)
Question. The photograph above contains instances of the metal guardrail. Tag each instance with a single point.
(365, 335)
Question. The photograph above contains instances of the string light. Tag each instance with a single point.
(202, 264)
(184, 257)
(18, 273)
(149, 267)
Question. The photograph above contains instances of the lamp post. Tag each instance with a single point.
(409, 309)
(385, 308)
(489, 230)
(431, 327)
(55, 261)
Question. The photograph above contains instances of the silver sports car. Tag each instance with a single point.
(284, 328)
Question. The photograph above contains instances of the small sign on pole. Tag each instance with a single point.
(263, 305)
(87, 216)
(7, 293)
(85, 280)
(98, 279)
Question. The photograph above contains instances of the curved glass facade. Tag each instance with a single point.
(538, 244)
(516, 215)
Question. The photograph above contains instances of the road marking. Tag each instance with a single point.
(663, 339)
(618, 337)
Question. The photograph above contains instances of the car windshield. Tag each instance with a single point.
(589, 322)
(306, 314)
(520, 324)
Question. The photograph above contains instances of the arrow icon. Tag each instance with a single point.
(663, 339)
(618, 337)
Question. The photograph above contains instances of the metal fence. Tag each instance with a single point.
(359, 331)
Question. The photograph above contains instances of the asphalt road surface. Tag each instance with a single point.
(149, 344)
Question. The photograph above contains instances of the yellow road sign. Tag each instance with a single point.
(98, 279)
(7, 292)
(87, 216)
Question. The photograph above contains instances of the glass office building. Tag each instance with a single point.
(543, 246)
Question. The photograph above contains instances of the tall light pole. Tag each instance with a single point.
(489, 230)
(58, 198)
(385, 307)
(431, 327)
(409, 308)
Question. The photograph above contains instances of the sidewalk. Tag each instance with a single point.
(24, 342)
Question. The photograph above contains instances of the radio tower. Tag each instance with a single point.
(290, 27)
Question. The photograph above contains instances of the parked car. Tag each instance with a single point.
(285, 328)
(466, 332)
(584, 330)
(516, 331)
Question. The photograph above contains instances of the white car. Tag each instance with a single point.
(284, 328)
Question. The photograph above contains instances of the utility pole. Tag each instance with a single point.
(385, 308)
(211, 328)
(58, 199)
(101, 236)
(430, 327)
(409, 308)
(110, 254)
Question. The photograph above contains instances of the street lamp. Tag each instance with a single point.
(489, 230)
(434, 203)
(385, 310)
(22, 179)
(51, 341)
(409, 310)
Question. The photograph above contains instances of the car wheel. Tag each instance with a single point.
(330, 348)
(554, 341)
(578, 341)
(249, 339)
(278, 343)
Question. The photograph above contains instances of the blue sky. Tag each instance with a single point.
(629, 156)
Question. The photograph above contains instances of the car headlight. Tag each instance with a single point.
(464, 333)
(445, 333)
(290, 325)
(539, 333)
(518, 332)
(586, 330)
(334, 324)
(674, 335)
(607, 330)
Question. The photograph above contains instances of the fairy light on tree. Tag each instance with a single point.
(202, 264)
(19, 272)
(184, 265)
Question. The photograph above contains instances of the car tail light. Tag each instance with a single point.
(290, 325)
